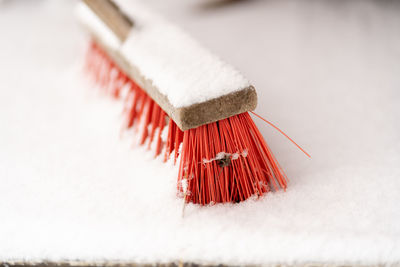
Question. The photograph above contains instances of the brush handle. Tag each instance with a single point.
(112, 16)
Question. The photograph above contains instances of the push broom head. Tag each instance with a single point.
(171, 81)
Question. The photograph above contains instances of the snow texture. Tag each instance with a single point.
(327, 73)
(182, 70)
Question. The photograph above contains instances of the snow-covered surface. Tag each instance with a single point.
(95, 24)
(327, 72)
(178, 66)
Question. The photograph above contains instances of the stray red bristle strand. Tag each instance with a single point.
(245, 168)
(279, 130)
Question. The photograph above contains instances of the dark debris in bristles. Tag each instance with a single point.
(221, 180)
(225, 161)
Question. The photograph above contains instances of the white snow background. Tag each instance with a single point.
(327, 73)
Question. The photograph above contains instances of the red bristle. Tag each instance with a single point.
(178, 140)
(149, 103)
(120, 82)
(130, 98)
(170, 139)
(161, 125)
(98, 61)
(137, 105)
(154, 122)
(103, 72)
(247, 168)
(108, 67)
(132, 112)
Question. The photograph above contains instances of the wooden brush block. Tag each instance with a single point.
(187, 117)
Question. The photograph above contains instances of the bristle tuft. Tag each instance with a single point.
(228, 161)
(224, 161)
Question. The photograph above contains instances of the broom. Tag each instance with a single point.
(172, 86)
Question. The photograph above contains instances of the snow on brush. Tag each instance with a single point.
(178, 66)
(72, 189)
